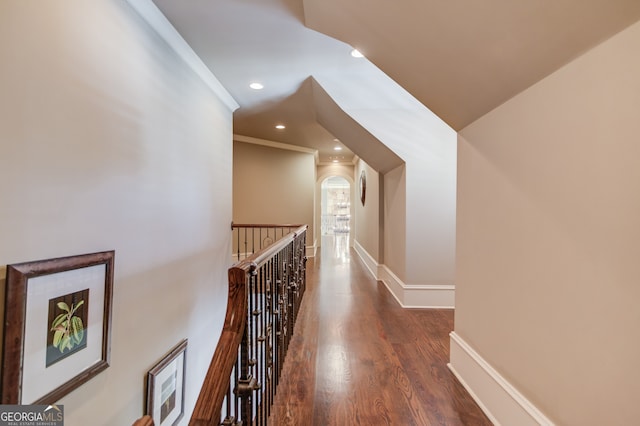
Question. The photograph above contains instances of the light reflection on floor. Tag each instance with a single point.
(338, 374)
(338, 245)
(334, 360)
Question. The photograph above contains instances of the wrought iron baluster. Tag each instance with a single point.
(274, 288)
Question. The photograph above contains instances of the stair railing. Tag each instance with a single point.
(248, 239)
(265, 292)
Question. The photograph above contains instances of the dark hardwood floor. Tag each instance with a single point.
(358, 358)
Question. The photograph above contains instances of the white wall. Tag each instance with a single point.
(110, 142)
(548, 283)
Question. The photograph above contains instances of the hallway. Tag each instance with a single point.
(358, 358)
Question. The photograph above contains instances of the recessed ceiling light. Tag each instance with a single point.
(256, 86)
(280, 126)
(336, 161)
(356, 53)
(337, 148)
(336, 140)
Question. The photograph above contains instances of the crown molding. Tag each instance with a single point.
(150, 13)
(279, 145)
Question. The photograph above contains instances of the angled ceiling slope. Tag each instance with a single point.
(463, 59)
(356, 137)
(265, 41)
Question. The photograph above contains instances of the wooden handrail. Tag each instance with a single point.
(216, 385)
(252, 237)
(216, 382)
(259, 257)
(264, 225)
(207, 410)
(144, 421)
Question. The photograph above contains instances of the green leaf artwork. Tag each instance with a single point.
(67, 328)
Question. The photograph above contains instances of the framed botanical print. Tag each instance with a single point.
(57, 326)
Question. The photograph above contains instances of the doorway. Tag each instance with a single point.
(336, 206)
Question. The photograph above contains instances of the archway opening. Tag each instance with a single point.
(336, 206)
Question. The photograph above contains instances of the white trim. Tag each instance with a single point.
(343, 163)
(273, 144)
(392, 282)
(499, 400)
(438, 296)
(311, 250)
(370, 263)
(158, 22)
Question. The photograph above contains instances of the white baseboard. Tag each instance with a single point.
(499, 400)
(369, 262)
(418, 296)
(408, 296)
(311, 250)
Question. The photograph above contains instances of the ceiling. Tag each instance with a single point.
(459, 58)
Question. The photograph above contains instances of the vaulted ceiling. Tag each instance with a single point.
(460, 58)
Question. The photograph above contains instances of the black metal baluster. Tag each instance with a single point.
(263, 346)
(275, 292)
(258, 346)
(245, 403)
(245, 243)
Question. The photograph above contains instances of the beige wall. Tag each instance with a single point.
(548, 282)
(273, 185)
(110, 142)
(367, 219)
(395, 221)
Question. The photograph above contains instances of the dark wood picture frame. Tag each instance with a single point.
(363, 186)
(175, 360)
(19, 318)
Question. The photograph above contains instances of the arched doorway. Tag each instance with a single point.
(336, 206)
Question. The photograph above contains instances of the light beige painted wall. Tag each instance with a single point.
(367, 221)
(110, 142)
(395, 221)
(431, 215)
(273, 185)
(548, 282)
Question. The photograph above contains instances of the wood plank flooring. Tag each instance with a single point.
(358, 358)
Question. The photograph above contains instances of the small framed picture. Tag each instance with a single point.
(57, 326)
(165, 387)
(363, 187)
